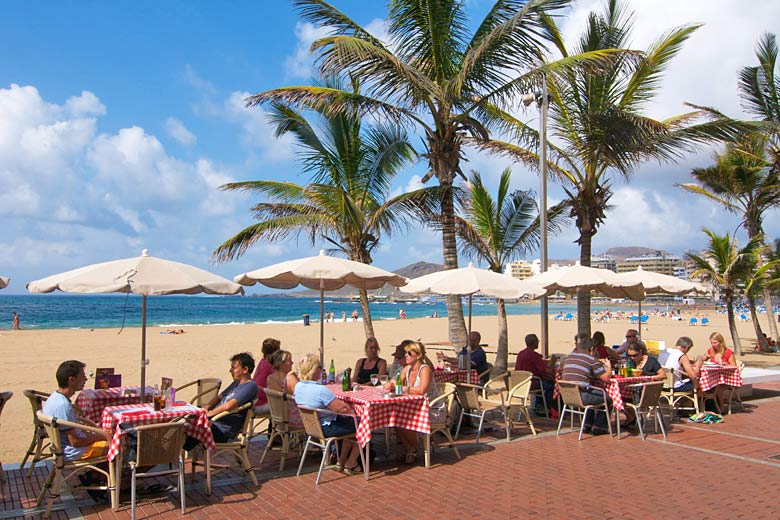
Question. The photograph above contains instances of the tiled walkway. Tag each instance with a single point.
(701, 471)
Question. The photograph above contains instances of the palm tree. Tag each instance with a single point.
(724, 266)
(598, 128)
(499, 230)
(743, 181)
(758, 282)
(352, 167)
(434, 75)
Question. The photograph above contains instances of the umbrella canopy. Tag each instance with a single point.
(323, 273)
(4, 282)
(467, 281)
(654, 283)
(573, 277)
(145, 275)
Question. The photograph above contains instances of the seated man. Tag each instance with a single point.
(241, 391)
(686, 373)
(583, 368)
(478, 356)
(531, 361)
(76, 444)
(632, 338)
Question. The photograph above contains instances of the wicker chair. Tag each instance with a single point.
(515, 401)
(40, 438)
(446, 394)
(158, 444)
(484, 376)
(674, 397)
(474, 404)
(282, 429)
(573, 405)
(237, 448)
(316, 437)
(648, 404)
(206, 390)
(4, 398)
(62, 470)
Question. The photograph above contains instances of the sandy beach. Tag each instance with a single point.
(30, 357)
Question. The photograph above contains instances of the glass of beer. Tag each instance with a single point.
(159, 401)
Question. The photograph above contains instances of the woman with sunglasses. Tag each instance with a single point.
(417, 379)
(639, 359)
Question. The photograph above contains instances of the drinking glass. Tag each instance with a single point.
(374, 379)
(383, 379)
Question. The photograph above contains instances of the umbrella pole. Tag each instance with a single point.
(143, 348)
(639, 321)
(468, 341)
(322, 324)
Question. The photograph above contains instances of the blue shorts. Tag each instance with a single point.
(343, 425)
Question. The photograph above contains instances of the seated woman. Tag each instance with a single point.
(371, 364)
(603, 351)
(639, 359)
(719, 353)
(309, 392)
(283, 379)
(417, 379)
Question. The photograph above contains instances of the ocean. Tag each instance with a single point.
(68, 311)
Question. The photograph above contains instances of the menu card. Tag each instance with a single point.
(166, 383)
(100, 381)
(105, 381)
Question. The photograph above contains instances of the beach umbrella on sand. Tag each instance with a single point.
(4, 282)
(657, 283)
(323, 273)
(145, 275)
(470, 280)
(571, 278)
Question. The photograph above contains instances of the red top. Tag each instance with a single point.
(263, 370)
(531, 361)
(726, 355)
(603, 351)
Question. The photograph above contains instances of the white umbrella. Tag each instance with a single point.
(573, 277)
(470, 280)
(655, 283)
(323, 273)
(4, 282)
(145, 275)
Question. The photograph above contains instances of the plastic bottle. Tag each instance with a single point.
(332, 372)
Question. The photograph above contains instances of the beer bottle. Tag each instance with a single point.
(398, 388)
(332, 372)
(345, 381)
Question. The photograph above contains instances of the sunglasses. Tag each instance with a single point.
(630, 336)
(635, 355)
(409, 353)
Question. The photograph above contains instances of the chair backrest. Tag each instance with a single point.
(570, 394)
(516, 377)
(448, 396)
(740, 366)
(246, 429)
(37, 398)
(311, 422)
(520, 391)
(277, 402)
(468, 395)
(52, 430)
(668, 382)
(206, 389)
(498, 383)
(4, 398)
(160, 443)
(651, 392)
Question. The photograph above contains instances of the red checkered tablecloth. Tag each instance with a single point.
(407, 411)
(712, 376)
(92, 402)
(140, 414)
(620, 387)
(456, 376)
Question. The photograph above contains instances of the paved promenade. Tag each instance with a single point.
(728, 470)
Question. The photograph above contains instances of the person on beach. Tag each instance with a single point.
(402, 314)
(241, 391)
(283, 379)
(583, 368)
(371, 364)
(355, 315)
(530, 360)
(264, 369)
(685, 372)
(344, 316)
(15, 325)
(417, 379)
(309, 392)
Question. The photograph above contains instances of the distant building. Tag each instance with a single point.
(519, 269)
(604, 262)
(681, 272)
(657, 262)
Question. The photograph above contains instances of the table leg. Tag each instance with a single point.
(208, 471)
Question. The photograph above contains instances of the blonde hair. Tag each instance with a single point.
(371, 341)
(719, 337)
(419, 349)
(279, 357)
(308, 367)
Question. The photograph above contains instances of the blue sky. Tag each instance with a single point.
(118, 121)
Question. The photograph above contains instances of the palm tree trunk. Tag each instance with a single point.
(457, 327)
(503, 338)
(733, 325)
(583, 296)
(368, 325)
(763, 346)
(770, 314)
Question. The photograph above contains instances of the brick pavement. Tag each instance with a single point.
(702, 471)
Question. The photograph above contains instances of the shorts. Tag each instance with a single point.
(343, 425)
(96, 449)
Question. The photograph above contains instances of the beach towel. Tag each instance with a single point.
(706, 418)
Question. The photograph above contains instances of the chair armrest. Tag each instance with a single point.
(441, 397)
(245, 406)
(196, 396)
(79, 426)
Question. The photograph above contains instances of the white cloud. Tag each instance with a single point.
(301, 63)
(179, 132)
(87, 104)
(257, 132)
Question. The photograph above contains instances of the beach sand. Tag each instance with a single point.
(30, 357)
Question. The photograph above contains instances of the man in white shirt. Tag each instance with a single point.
(676, 358)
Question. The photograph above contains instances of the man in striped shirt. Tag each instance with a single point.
(583, 367)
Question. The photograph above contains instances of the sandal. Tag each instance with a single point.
(354, 470)
(411, 457)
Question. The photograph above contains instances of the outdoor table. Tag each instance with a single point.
(456, 376)
(714, 375)
(619, 387)
(375, 411)
(92, 402)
